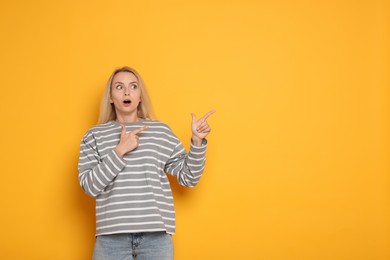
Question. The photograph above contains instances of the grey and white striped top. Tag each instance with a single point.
(133, 193)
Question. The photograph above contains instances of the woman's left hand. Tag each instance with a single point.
(200, 128)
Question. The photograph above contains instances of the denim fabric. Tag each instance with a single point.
(139, 246)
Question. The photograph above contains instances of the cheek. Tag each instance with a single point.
(114, 96)
(137, 95)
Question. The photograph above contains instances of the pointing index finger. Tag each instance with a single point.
(139, 130)
(208, 114)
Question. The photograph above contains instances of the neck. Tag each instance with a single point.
(127, 118)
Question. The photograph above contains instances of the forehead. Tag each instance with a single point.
(124, 77)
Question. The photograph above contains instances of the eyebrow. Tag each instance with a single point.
(124, 83)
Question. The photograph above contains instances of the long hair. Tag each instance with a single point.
(107, 109)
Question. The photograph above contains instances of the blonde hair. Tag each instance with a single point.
(107, 109)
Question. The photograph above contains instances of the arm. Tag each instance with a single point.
(188, 168)
(95, 173)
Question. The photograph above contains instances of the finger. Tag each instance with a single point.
(203, 129)
(193, 118)
(208, 114)
(139, 130)
(202, 126)
(123, 130)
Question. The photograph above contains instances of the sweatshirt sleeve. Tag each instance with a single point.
(96, 172)
(187, 167)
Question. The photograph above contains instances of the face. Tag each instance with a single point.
(125, 93)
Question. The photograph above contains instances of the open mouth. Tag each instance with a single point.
(127, 101)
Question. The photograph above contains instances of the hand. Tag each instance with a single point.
(200, 128)
(128, 142)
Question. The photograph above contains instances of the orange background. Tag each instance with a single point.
(298, 159)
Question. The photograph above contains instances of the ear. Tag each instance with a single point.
(111, 100)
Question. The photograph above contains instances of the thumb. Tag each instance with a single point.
(123, 130)
(193, 118)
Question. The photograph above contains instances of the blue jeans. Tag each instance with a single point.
(139, 246)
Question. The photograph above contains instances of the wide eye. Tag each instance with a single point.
(119, 87)
(134, 86)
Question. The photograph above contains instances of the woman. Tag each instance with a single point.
(122, 163)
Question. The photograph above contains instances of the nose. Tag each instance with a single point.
(127, 91)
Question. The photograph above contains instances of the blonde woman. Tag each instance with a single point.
(123, 164)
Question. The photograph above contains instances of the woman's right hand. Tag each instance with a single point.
(128, 141)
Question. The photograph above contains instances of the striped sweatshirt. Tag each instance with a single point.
(133, 193)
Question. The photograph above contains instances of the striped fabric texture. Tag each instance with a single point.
(133, 193)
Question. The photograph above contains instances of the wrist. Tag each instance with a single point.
(196, 141)
(119, 151)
